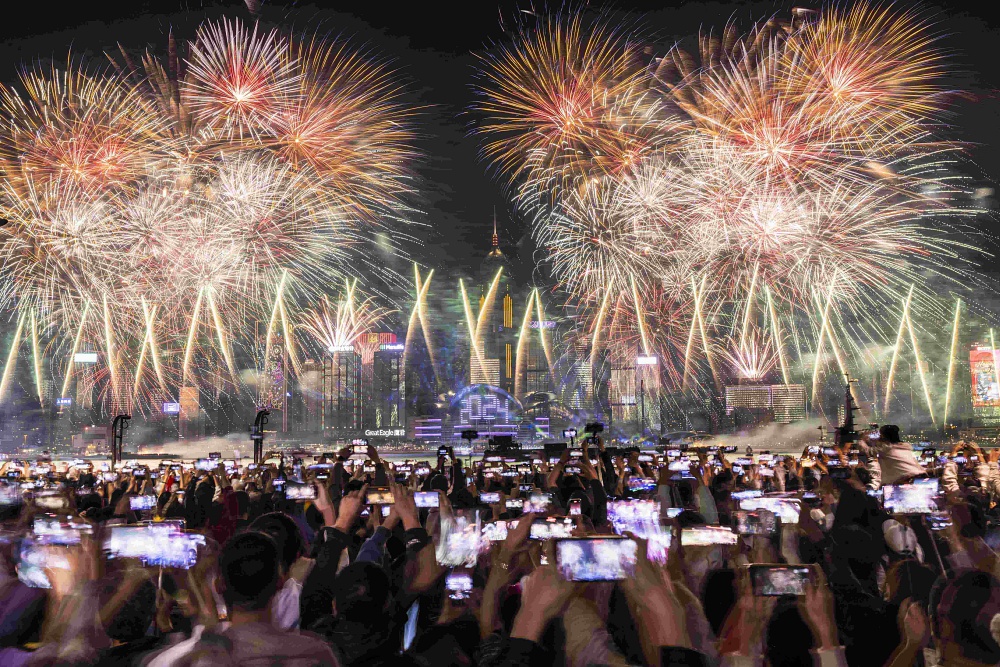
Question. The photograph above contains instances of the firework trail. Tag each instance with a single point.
(156, 205)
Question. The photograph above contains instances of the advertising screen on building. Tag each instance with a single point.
(985, 384)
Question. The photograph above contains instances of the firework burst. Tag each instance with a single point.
(767, 171)
(159, 209)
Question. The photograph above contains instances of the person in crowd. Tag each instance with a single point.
(890, 460)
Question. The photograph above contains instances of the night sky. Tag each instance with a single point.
(433, 46)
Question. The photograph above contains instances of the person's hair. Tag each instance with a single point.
(250, 568)
(314, 518)
(215, 513)
(718, 596)
(285, 533)
(439, 482)
(242, 502)
(889, 433)
(724, 477)
(362, 591)
(788, 638)
(689, 518)
(910, 579)
(135, 616)
(964, 611)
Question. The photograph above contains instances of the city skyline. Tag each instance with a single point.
(270, 189)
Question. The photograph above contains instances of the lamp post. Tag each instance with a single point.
(118, 427)
(257, 435)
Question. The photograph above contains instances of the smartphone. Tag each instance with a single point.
(575, 507)
(525, 488)
(515, 503)
(829, 451)
(458, 585)
(641, 484)
(204, 465)
(51, 501)
(110, 476)
(61, 530)
(811, 499)
(495, 531)
(154, 546)
(939, 520)
(596, 558)
(705, 536)
(646, 458)
(360, 449)
(386, 510)
(10, 495)
(575, 453)
(459, 539)
(142, 503)
(139, 472)
(427, 499)
(812, 450)
(572, 470)
(538, 502)
(874, 434)
(489, 497)
(278, 483)
(379, 495)
(442, 451)
(760, 522)
(36, 555)
(778, 580)
(251, 466)
(917, 498)
(551, 528)
(787, 509)
(300, 492)
(168, 525)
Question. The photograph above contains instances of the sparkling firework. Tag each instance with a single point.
(788, 175)
(158, 210)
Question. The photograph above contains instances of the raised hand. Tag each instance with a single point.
(350, 509)
(545, 595)
(405, 506)
(816, 607)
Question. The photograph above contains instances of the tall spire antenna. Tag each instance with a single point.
(496, 237)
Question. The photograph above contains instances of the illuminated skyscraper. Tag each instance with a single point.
(497, 340)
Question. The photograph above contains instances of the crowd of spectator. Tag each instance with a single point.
(295, 564)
